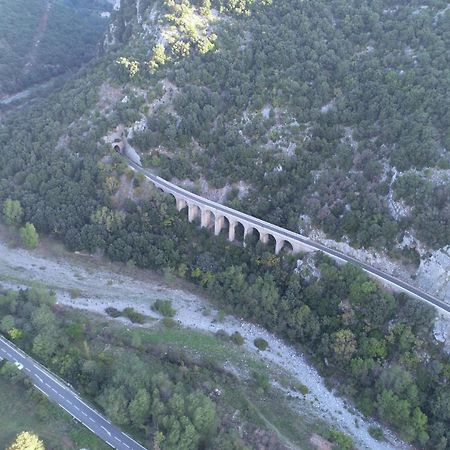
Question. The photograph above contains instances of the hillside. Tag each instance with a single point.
(342, 106)
(327, 117)
(43, 38)
(320, 117)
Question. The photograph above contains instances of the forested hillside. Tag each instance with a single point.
(42, 38)
(336, 111)
(377, 348)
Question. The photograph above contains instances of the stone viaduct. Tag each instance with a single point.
(217, 216)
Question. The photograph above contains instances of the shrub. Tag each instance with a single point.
(376, 433)
(222, 335)
(300, 387)
(237, 338)
(169, 276)
(262, 380)
(261, 344)
(74, 293)
(164, 307)
(133, 315)
(113, 312)
(168, 322)
(343, 441)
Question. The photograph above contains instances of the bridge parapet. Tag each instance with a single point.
(219, 217)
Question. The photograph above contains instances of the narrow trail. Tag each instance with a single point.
(30, 59)
(272, 427)
(42, 27)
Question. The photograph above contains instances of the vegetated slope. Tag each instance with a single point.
(165, 394)
(335, 110)
(54, 162)
(43, 38)
(356, 333)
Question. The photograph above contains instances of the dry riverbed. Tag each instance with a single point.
(90, 283)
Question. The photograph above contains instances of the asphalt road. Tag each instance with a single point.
(62, 394)
(393, 281)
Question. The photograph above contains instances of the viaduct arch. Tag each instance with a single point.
(214, 214)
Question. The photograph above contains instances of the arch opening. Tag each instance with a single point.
(253, 237)
(206, 218)
(288, 247)
(239, 232)
(270, 244)
(194, 213)
(221, 224)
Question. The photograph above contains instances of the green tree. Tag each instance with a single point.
(114, 401)
(344, 345)
(29, 236)
(201, 411)
(45, 344)
(12, 212)
(7, 323)
(159, 58)
(27, 441)
(139, 408)
(205, 8)
(11, 372)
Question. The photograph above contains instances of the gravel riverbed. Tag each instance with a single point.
(100, 284)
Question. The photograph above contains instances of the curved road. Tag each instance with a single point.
(62, 394)
(383, 276)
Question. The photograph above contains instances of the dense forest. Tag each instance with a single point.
(317, 105)
(327, 101)
(41, 39)
(377, 348)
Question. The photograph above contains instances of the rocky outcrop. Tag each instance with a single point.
(433, 274)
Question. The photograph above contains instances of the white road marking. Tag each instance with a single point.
(39, 389)
(101, 426)
(50, 376)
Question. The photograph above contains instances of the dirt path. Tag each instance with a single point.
(42, 27)
(30, 58)
(98, 284)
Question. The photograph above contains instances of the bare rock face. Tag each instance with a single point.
(442, 331)
(433, 274)
(131, 153)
